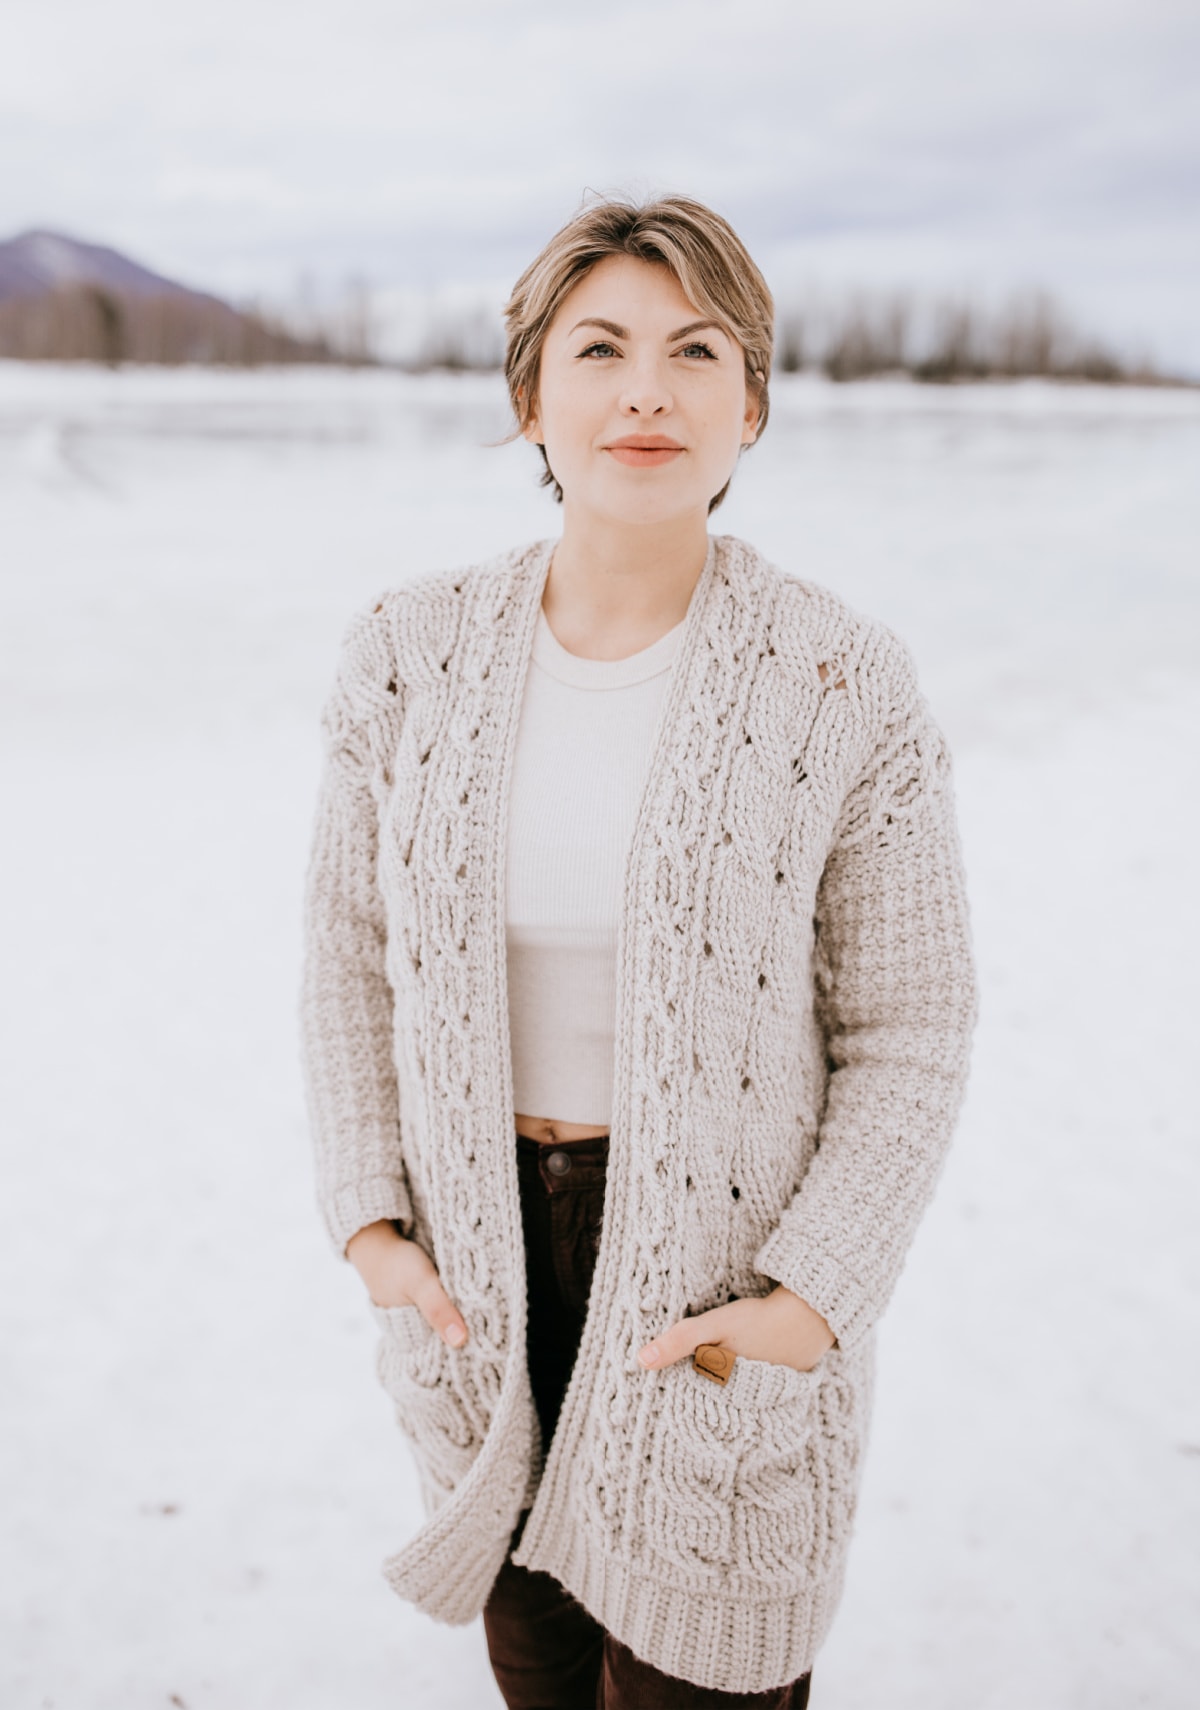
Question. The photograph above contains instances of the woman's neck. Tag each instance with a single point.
(613, 589)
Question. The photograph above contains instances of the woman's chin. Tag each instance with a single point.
(638, 506)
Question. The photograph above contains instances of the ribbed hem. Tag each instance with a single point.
(713, 1639)
(820, 1279)
(368, 1201)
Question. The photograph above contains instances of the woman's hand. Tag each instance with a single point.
(779, 1327)
(399, 1272)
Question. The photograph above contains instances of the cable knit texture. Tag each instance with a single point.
(795, 1001)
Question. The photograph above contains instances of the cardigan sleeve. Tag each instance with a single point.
(897, 1001)
(346, 1003)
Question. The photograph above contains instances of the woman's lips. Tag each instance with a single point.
(644, 457)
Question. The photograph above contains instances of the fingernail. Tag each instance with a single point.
(455, 1335)
(649, 1354)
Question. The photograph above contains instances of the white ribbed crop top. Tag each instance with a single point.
(586, 730)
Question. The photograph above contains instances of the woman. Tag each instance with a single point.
(637, 1004)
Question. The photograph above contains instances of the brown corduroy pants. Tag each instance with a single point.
(547, 1652)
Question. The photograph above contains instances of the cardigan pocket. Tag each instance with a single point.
(416, 1369)
(730, 1491)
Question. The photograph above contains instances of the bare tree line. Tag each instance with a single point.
(856, 337)
(947, 339)
(458, 340)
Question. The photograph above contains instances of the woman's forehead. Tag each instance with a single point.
(624, 288)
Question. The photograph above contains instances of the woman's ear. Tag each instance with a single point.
(531, 431)
(751, 418)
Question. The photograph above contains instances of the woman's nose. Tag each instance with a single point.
(646, 392)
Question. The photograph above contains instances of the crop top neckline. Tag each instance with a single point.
(550, 654)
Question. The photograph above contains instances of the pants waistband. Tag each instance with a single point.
(563, 1165)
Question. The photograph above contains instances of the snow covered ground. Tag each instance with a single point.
(199, 1473)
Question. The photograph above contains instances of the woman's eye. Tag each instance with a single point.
(704, 349)
(602, 346)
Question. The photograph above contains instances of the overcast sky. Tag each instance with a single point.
(241, 145)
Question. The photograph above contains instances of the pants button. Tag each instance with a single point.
(558, 1163)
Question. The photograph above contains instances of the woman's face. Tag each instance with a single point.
(642, 403)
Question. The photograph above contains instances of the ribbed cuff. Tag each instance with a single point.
(368, 1201)
(820, 1279)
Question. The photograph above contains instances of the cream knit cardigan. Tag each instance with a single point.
(795, 1000)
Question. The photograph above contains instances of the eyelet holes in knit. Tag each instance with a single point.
(827, 667)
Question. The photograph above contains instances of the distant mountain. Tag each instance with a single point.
(69, 301)
(36, 262)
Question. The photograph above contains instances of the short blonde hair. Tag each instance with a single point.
(700, 248)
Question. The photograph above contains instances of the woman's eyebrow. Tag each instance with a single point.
(695, 326)
(608, 326)
(623, 332)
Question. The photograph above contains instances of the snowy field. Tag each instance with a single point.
(199, 1475)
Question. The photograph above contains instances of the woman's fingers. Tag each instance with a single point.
(414, 1281)
(685, 1337)
(779, 1327)
(436, 1307)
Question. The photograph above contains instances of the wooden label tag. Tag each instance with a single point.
(715, 1362)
